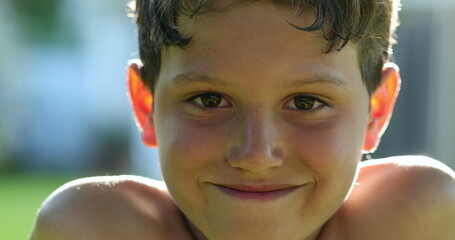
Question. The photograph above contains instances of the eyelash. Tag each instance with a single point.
(200, 106)
(319, 103)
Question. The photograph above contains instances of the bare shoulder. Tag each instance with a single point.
(410, 164)
(117, 207)
(409, 197)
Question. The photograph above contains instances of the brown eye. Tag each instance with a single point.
(210, 100)
(304, 102)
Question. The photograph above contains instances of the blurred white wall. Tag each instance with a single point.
(63, 104)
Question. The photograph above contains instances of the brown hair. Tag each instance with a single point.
(370, 24)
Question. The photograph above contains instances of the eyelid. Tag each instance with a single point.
(192, 101)
(316, 98)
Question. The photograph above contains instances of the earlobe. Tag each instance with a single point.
(382, 103)
(141, 101)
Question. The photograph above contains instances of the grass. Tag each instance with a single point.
(20, 198)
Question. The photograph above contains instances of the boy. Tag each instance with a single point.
(261, 111)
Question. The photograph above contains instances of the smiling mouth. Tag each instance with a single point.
(262, 193)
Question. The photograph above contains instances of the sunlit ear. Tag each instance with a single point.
(141, 101)
(381, 106)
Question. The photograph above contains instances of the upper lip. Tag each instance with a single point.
(258, 188)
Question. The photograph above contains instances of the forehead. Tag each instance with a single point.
(254, 35)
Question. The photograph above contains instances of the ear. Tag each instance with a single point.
(382, 103)
(142, 102)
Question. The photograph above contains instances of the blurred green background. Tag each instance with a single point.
(20, 197)
(63, 108)
(64, 112)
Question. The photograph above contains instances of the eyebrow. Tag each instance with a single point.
(183, 79)
(317, 80)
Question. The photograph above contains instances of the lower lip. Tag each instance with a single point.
(258, 196)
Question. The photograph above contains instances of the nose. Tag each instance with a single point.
(257, 146)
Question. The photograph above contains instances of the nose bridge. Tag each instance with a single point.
(256, 147)
(257, 127)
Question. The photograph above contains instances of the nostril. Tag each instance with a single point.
(234, 153)
(278, 153)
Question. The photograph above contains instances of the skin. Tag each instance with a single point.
(399, 198)
(257, 136)
(258, 67)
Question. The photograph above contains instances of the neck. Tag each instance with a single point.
(196, 234)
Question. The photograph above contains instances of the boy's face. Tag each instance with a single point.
(257, 128)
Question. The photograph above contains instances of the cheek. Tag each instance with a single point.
(187, 152)
(187, 147)
(332, 150)
(324, 149)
